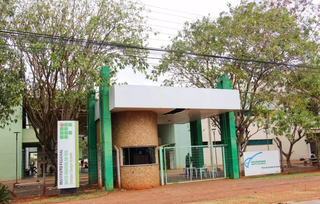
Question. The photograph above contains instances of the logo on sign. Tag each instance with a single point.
(64, 130)
(248, 160)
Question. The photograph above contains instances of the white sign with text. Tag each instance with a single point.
(68, 154)
(262, 162)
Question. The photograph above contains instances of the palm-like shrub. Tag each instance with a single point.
(4, 194)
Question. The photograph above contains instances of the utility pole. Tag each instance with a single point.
(267, 138)
(17, 135)
(266, 127)
(210, 143)
(44, 170)
(215, 143)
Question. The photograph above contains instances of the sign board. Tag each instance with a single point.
(263, 162)
(68, 154)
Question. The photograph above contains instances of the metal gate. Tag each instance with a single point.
(191, 163)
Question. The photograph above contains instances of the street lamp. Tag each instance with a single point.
(210, 143)
(17, 134)
(215, 148)
(266, 129)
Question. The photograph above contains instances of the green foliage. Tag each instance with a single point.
(10, 95)
(295, 116)
(293, 119)
(10, 79)
(59, 73)
(261, 31)
(4, 194)
(83, 144)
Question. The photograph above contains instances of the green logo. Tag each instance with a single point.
(64, 130)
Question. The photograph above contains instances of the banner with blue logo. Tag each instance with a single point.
(262, 162)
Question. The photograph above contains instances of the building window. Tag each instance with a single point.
(260, 142)
(139, 155)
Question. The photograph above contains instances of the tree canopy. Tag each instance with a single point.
(277, 33)
(10, 78)
(294, 117)
(62, 45)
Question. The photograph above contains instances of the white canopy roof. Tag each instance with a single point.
(174, 104)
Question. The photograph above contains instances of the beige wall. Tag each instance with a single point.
(140, 177)
(136, 129)
(29, 136)
(301, 149)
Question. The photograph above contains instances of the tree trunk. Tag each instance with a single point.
(288, 155)
(55, 178)
(288, 161)
(53, 160)
(239, 158)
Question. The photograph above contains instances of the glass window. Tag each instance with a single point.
(139, 155)
(260, 142)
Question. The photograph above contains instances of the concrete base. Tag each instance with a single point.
(68, 191)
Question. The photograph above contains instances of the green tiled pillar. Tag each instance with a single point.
(196, 139)
(228, 135)
(92, 138)
(105, 130)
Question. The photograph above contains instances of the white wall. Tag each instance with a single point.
(215, 135)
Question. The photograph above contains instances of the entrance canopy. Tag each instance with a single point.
(174, 105)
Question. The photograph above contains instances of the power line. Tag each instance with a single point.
(39, 49)
(168, 14)
(120, 45)
(5, 46)
(155, 33)
(163, 27)
(167, 9)
(160, 40)
(156, 19)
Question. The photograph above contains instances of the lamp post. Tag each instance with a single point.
(215, 148)
(266, 129)
(17, 134)
(210, 143)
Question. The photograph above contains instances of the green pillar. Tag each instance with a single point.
(92, 138)
(105, 130)
(228, 135)
(196, 139)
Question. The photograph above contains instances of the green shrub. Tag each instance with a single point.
(4, 194)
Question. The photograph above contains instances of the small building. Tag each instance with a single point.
(124, 144)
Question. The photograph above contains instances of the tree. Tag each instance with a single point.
(293, 119)
(59, 68)
(83, 144)
(10, 79)
(307, 85)
(255, 31)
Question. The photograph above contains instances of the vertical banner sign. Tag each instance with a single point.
(263, 162)
(68, 154)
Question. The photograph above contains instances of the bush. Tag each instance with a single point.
(4, 194)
